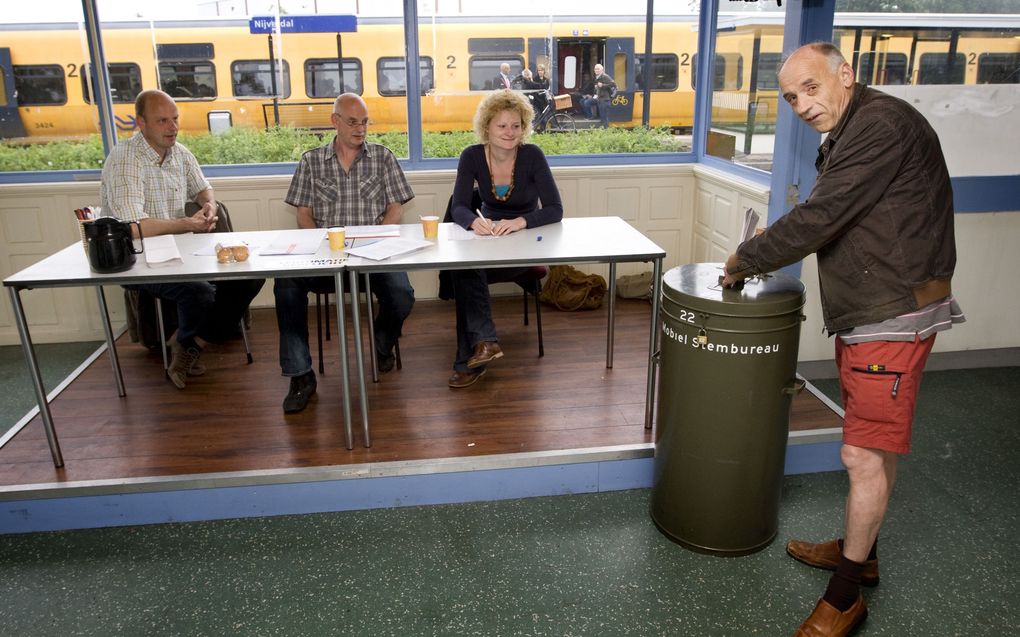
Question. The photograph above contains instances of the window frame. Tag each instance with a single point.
(284, 75)
(19, 89)
(359, 85)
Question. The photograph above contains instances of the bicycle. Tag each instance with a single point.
(552, 118)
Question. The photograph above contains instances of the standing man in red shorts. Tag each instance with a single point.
(880, 218)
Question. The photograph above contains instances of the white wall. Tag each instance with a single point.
(693, 212)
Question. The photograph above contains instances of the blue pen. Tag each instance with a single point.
(539, 238)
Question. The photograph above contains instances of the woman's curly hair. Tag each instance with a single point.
(498, 101)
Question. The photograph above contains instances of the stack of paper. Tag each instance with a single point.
(389, 248)
(161, 251)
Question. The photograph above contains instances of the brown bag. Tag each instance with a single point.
(569, 289)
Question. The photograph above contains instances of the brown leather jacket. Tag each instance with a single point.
(880, 217)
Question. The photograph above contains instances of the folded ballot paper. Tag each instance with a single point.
(751, 219)
(161, 251)
(387, 248)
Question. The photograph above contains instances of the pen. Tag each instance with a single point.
(482, 217)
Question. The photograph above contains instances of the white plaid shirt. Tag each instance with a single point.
(135, 185)
(358, 197)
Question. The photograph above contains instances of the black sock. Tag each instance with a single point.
(844, 585)
(872, 554)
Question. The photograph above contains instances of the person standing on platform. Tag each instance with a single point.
(347, 182)
(149, 178)
(503, 80)
(512, 178)
(880, 218)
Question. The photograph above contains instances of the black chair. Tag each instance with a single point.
(530, 281)
(322, 298)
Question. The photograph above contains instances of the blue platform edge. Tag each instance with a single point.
(218, 503)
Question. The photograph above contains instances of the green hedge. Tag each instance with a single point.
(251, 146)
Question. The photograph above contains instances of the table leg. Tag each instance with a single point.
(111, 347)
(371, 327)
(611, 333)
(653, 344)
(345, 374)
(359, 355)
(37, 385)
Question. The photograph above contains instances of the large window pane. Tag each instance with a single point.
(745, 85)
(323, 79)
(470, 40)
(125, 82)
(43, 97)
(945, 66)
(254, 78)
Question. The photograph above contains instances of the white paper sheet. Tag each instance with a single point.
(161, 251)
(751, 219)
(389, 248)
(362, 232)
(294, 243)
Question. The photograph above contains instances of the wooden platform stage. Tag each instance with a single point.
(230, 419)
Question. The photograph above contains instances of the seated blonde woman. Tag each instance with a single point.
(517, 192)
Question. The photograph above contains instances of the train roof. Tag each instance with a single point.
(727, 21)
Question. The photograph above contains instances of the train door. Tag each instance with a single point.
(10, 119)
(619, 64)
(575, 59)
(540, 54)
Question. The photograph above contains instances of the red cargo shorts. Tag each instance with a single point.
(879, 381)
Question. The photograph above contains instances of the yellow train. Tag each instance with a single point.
(219, 71)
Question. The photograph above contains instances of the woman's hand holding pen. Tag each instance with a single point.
(483, 226)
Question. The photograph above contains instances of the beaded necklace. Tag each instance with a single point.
(492, 180)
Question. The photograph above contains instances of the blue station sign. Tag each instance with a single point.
(304, 24)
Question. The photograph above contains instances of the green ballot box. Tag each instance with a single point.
(728, 361)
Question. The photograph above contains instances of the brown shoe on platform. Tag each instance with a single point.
(826, 621)
(485, 352)
(826, 555)
(460, 380)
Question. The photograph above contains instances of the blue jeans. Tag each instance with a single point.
(392, 289)
(474, 311)
(211, 311)
(588, 104)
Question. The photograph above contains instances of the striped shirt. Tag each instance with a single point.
(135, 185)
(936, 317)
(357, 197)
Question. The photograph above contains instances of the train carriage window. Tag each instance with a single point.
(768, 71)
(993, 68)
(665, 71)
(482, 71)
(125, 82)
(393, 76)
(492, 46)
(253, 78)
(728, 72)
(891, 68)
(322, 78)
(941, 68)
(188, 80)
(39, 84)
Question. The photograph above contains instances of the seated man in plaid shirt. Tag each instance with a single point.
(347, 182)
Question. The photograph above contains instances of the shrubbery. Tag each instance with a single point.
(249, 146)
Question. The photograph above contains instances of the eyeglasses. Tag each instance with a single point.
(354, 123)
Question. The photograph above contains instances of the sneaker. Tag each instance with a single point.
(184, 359)
(301, 389)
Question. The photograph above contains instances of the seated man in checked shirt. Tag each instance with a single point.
(149, 178)
(347, 182)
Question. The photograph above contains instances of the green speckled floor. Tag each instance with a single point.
(571, 565)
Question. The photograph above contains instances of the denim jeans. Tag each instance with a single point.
(211, 311)
(474, 311)
(588, 104)
(392, 290)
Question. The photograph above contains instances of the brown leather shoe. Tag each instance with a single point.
(460, 380)
(826, 621)
(826, 555)
(485, 352)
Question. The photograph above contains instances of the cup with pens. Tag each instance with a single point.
(85, 215)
